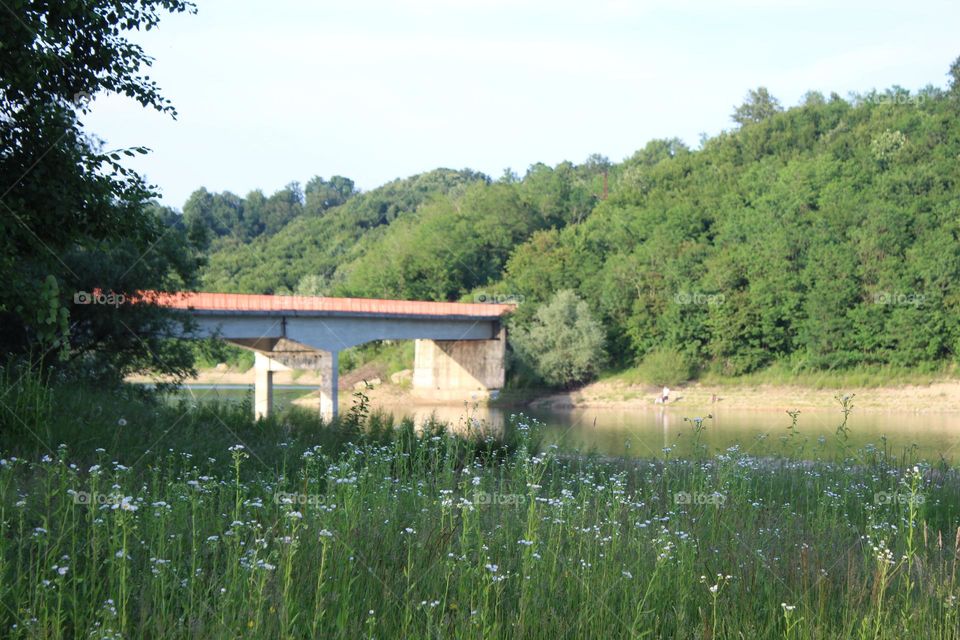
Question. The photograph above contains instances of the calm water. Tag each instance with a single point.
(647, 431)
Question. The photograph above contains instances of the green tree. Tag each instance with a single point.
(954, 75)
(74, 218)
(564, 344)
(321, 194)
(757, 107)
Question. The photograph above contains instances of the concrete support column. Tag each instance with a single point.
(458, 370)
(263, 387)
(328, 390)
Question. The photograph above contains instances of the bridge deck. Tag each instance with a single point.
(321, 305)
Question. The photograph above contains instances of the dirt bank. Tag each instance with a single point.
(936, 397)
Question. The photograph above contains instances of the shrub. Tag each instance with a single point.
(564, 344)
(665, 367)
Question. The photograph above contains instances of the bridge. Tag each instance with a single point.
(459, 349)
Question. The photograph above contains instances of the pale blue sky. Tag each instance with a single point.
(270, 92)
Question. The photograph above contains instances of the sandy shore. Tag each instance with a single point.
(938, 397)
(231, 376)
(934, 398)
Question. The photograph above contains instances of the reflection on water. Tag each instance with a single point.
(646, 432)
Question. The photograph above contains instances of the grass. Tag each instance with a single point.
(783, 374)
(860, 377)
(148, 521)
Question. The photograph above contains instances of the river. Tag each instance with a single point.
(647, 431)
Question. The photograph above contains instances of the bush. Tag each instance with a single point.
(665, 367)
(564, 344)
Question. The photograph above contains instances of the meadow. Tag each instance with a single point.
(123, 517)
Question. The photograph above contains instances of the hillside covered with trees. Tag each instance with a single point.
(823, 236)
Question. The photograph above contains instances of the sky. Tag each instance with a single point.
(272, 92)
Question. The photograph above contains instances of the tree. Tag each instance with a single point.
(282, 207)
(758, 106)
(312, 285)
(322, 195)
(75, 219)
(954, 75)
(564, 344)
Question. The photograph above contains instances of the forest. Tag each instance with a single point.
(820, 236)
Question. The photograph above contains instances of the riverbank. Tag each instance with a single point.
(937, 396)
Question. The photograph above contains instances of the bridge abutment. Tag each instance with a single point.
(457, 370)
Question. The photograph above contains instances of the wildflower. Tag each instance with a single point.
(122, 422)
(788, 607)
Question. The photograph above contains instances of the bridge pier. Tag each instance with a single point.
(323, 362)
(329, 401)
(263, 386)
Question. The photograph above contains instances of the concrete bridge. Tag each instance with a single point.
(460, 347)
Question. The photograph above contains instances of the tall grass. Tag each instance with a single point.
(157, 522)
